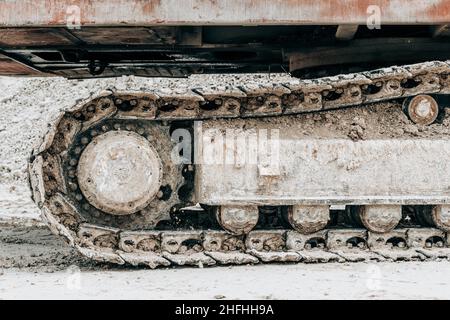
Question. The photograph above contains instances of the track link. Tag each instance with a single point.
(110, 239)
(208, 247)
(297, 96)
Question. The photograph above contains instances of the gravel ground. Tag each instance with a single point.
(36, 264)
(331, 281)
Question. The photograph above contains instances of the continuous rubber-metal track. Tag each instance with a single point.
(54, 187)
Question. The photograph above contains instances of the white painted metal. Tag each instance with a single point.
(329, 171)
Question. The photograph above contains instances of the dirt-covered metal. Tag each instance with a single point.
(119, 172)
(153, 236)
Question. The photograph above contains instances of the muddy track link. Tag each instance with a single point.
(297, 96)
(109, 237)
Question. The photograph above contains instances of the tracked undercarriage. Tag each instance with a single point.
(115, 178)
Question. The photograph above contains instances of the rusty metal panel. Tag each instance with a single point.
(17, 37)
(11, 67)
(208, 12)
(118, 35)
(311, 170)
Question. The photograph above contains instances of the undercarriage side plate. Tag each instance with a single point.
(272, 166)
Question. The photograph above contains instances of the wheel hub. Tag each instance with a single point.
(119, 172)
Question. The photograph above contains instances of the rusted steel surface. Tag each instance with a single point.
(11, 67)
(94, 35)
(32, 37)
(192, 12)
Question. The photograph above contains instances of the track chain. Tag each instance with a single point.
(297, 96)
(208, 247)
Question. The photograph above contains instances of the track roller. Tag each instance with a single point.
(434, 216)
(422, 109)
(441, 217)
(377, 218)
(238, 219)
(308, 219)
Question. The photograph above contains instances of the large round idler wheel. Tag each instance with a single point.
(119, 172)
(238, 220)
(441, 217)
(422, 109)
(308, 219)
(380, 218)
